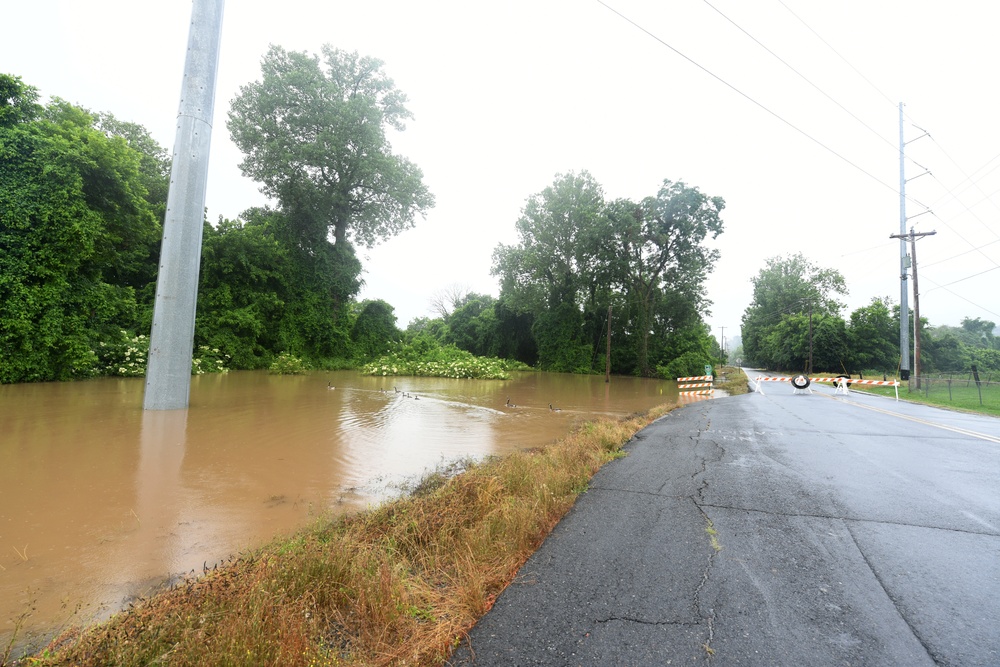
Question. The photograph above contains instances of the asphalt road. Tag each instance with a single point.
(775, 528)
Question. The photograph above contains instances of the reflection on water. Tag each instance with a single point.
(101, 502)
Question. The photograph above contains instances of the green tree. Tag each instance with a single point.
(873, 335)
(374, 331)
(472, 325)
(786, 286)
(18, 101)
(944, 354)
(313, 132)
(244, 287)
(553, 271)
(659, 252)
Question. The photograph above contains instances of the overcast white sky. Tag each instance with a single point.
(507, 95)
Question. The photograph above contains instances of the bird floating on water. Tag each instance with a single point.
(329, 385)
(554, 409)
(509, 404)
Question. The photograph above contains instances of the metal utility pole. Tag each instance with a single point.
(904, 306)
(913, 236)
(168, 372)
(810, 369)
(722, 345)
(904, 259)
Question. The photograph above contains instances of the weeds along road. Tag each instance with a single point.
(771, 529)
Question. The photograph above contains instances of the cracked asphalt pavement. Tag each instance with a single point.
(771, 529)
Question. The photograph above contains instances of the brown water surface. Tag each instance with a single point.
(101, 502)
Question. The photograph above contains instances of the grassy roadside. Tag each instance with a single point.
(732, 380)
(398, 585)
(956, 397)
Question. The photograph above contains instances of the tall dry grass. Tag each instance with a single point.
(398, 585)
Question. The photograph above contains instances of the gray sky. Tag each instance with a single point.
(507, 95)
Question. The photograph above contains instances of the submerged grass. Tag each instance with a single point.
(398, 585)
(732, 380)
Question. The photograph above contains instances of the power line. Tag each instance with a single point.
(974, 275)
(748, 98)
(956, 294)
(803, 76)
(880, 92)
(961, 254)
(829, 46)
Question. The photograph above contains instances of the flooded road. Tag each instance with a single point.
(101, 502)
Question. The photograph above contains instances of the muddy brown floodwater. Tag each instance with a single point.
(101, 502)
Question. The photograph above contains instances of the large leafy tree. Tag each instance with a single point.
(374, 329)
(786, 286)
(554, 271)
(313, 131)
(873, 333)
(660, 256)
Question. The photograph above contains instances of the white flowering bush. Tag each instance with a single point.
(288, 364)
(209, 360)
(126, 355)
(437, 361)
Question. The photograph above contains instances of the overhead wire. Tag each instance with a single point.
(974, 247)
(747, 97)
(956, 294)
(829, 46)
(803, 77)
(809, 136)
(961, 254)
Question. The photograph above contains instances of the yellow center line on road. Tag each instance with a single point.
(953, 429)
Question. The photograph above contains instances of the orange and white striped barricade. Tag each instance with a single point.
(800, 383)
(697, 382)
(880, 383)
(761, 378)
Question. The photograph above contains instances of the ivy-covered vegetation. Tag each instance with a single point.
(82, 196)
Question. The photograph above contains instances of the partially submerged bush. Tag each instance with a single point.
(288, 364)
(424, 357)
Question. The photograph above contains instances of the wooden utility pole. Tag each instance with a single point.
(607, 358)
(913, 236)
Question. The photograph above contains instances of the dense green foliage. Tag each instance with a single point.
(288, 364)
(794, 314)
(76, 236)
(313, 133)
(424, 356)
(82, 196)
(579, 257)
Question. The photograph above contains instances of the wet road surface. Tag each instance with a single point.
(776, 528)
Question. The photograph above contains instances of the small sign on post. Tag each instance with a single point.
(708, 369)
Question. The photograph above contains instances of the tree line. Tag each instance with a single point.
(794, 319)
(83, 194)
(583, 266)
